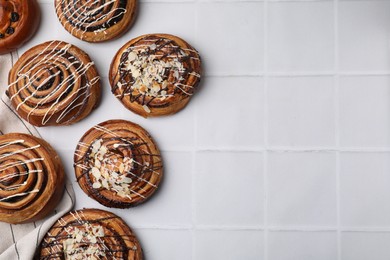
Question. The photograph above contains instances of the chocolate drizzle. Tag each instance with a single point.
(92, 16)
(115, 240)
(128, 168)
(154, 72)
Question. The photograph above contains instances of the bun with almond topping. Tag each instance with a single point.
(118, 164)
(155, 74)
(90, 234)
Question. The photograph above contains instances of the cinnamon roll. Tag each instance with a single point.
(155, 74)
(118, 164)
(96, 20)
(90, 234)
(19, 20)
(31, 178)
(54, 83)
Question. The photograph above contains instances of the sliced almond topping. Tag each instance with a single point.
(96, 185)
(132, 56)
(153, 46)
(121, 168)
(105, 184)
(127, 180)
(98, 164)
(96, 172)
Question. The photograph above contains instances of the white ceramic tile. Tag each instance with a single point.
(231, 43)
(301, 111)
(208, 196)
(364, 35)
(365, 111)
(364, 245)
(301, 36)
(237, 104)
(175, 132)
(173, 18)
(302, 246)
(364, 182)
(228, 245)
(302, 189)
(171, 204)
(229, 188)
(166, 244)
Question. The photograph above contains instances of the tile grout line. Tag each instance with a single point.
(337, 124)
(265, 129)
(282, 149)
(194, 154)
(307, 74)
(281, 74)
(352, 229)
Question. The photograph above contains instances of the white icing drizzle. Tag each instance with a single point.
(82, 17)
(149, 73)
(105, 171)
(51, 59)
(19, 195)
(9, 176)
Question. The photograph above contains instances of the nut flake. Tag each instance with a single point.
(88, 235)
(96, 172)
(96, 185)
(150, 73)
(111, 173)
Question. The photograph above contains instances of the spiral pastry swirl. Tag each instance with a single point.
(96, 20)
(90, 234)
(155, 74)
(118, 164)
(31, 178)
(19, 20)
(54, 83)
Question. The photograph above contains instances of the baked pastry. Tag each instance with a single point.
(118, 164)
(19, 20)
(90, 234)
(54, 83)
(31, 178)
(155, 74)
(96, 21)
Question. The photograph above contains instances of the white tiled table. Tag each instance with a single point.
(284, 154)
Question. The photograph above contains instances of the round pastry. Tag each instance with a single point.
(118, 164)
(96, 21)
(31, 178)
(54, 83)
(155, 74)
(19, 20)
(90, 234)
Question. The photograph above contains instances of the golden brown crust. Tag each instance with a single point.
(90, 232)
(31, 178)
(118, 164)
(155, 74)
(96, 22)
(54, 83)
(19, 20)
